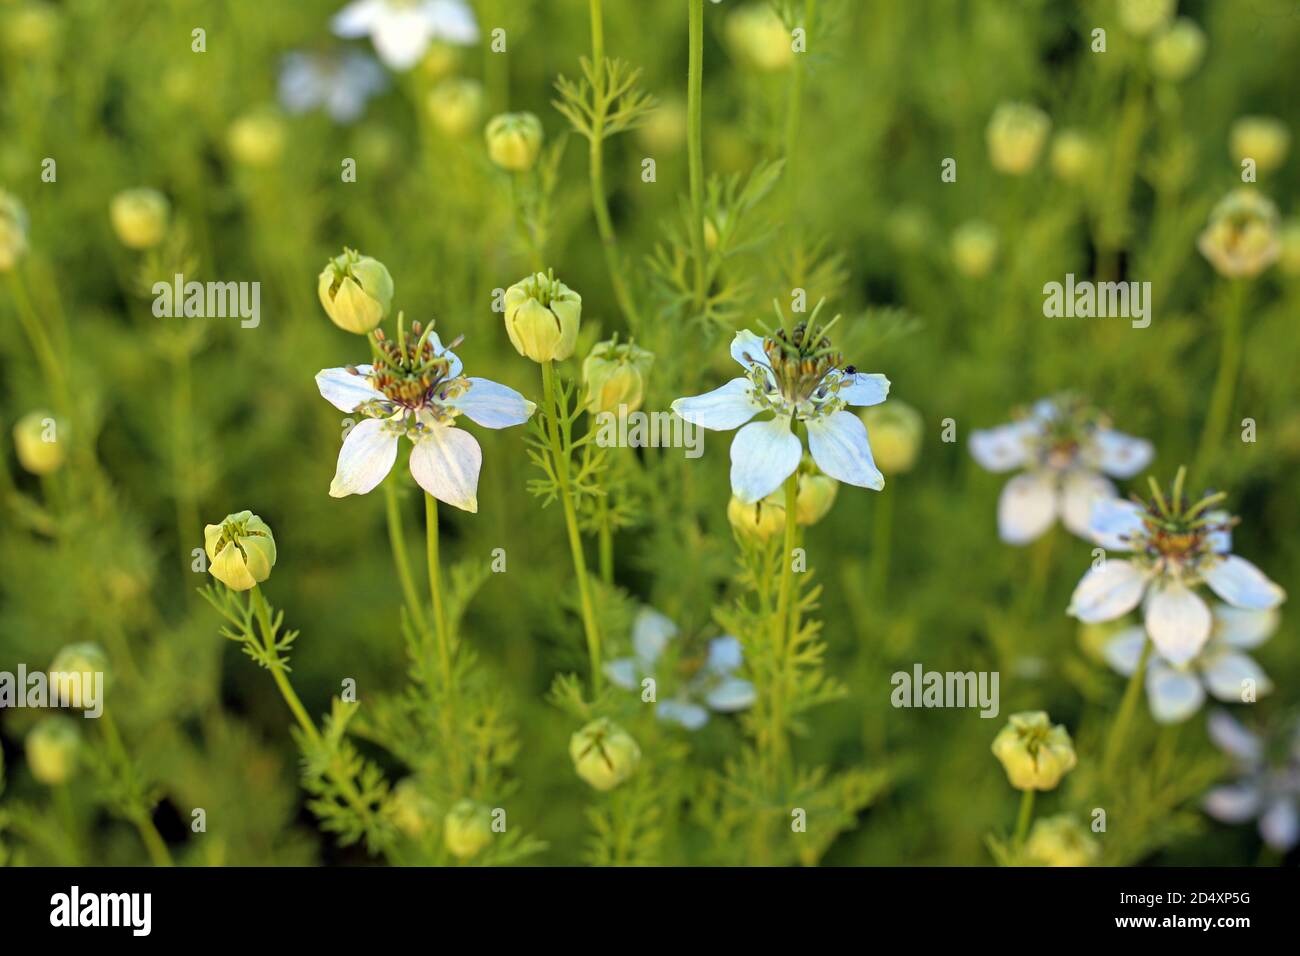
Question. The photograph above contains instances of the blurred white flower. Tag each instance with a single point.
(1175, 693)
(1066, 449)
(797, 376)
(711, 684)
(416, 389)
(341, 83)
(1269, 792)
(402, 30)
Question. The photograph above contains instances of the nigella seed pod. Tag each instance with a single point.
(53, 747)
(1016, 134)
(1035, 753)
(896, 430)
(1243, 237)
(257, 138)
(761, 520)
(140, 217)
(73, 670)
(614, 377)
(467, 829)
(542, 318)
(604, 754)
(514, 140)
(39, 442)
(241, 550)
(355, 291)
(1061, 841)
(13, 231)
(1178, 51)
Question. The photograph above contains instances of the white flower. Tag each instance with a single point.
(797, 377)
(1175, 549)
(1175, 693)
(402, 30)
(340, 83)
(1267, 792)
(710, 686)
(1066, 450)
(416, 389)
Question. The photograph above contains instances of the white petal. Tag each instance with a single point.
(1234, 739)
(1177, 620)
(445, 462)
(493, 405)
(841, 448)
(1107, 591)
(1083, 490)
(1002, 448)
(651, 632)
(864, 389)
(1245, 629)
(747, 349)
(1027, 506)
(366, 457)
(1123, 651)
(346, 391)
(763, 455)
(454, 364)
(452, 20)
(357, 19)
(1120, 455)
(401, 36)
(1225, 673)
(726, 407)
(731, 695)
(1172, 695)
(1116, 524)
(622, 673)
(1243, 585)
(725, 654)
(1235, 803)
(1279, 825)
(691, 716)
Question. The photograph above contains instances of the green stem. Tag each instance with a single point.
(1115, 741)
(606, 541)
(187, 512)
(795, 104)
(880, 545)
(694, 140)
(560, 454)
(1225, 382)
(397, 539)
(1026, 815)
(46, 355)
(435, 588)
(159, 855)
(783, 630)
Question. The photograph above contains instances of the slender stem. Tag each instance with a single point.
(606, 541)
(560, 454)
(694, 140)
(1225, 381)
(139, 816)
(435, 587)
(46, 355)
(1026, 815)
(783, 630)
(795, 104)
(397, 539)
(187, 512)
(880, 544)
(1115, 741)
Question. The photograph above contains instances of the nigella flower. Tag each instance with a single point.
(709, 681)
(1175, 547)
(341, 83)
(1066, 448)
(1175, 693)
(798, 377)
(1265, 790)
(415, 388)
(402, 30)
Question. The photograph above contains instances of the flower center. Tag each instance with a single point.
(800, 360)
(411, 374)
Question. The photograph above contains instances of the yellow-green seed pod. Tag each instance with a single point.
(73, 670)
(760, 520)
(814, 498)
(257, 138)
(13, 231)
(1034, 753)
(1144, 17)
(542, 318)
(40, 441)
(1243, 237)
(455, 106)
(1264, 139)
(355, 291)
(895, 430)
(1073, 157)
(1061, 841)
(241, 550)
(53, 747)
(1016, 134)
(1290, 256)
(757, 36)
(140, 217)
(974, 248)
(514, 140)
(467, 829)
(409, 809)
(603, 754)
(614, 377)
(1178, 51)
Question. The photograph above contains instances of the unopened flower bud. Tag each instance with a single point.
(1178, 51)
(614, 376)
(73, 670)
(603, 754)
(760, 520)
(542, 317)
(664, 128)
(1061, 841)
(514, 140)
(356, 292)
(1243, 237)
(13, 231)
(140, 217)
(814, 497)
(467, 829)
(974, 248)
(241, 550)
(456, 106)
(1073, 156)
(257, 138)
(1262, 138)
(410, 810)
(53, 746)
(758, 36)
(896, 430)
(1034, 753)
(1143, 17)
(39, 442)
(1016, 134)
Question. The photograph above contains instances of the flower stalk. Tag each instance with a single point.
(694, 141)
(1225, 380)
(1128, 704)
